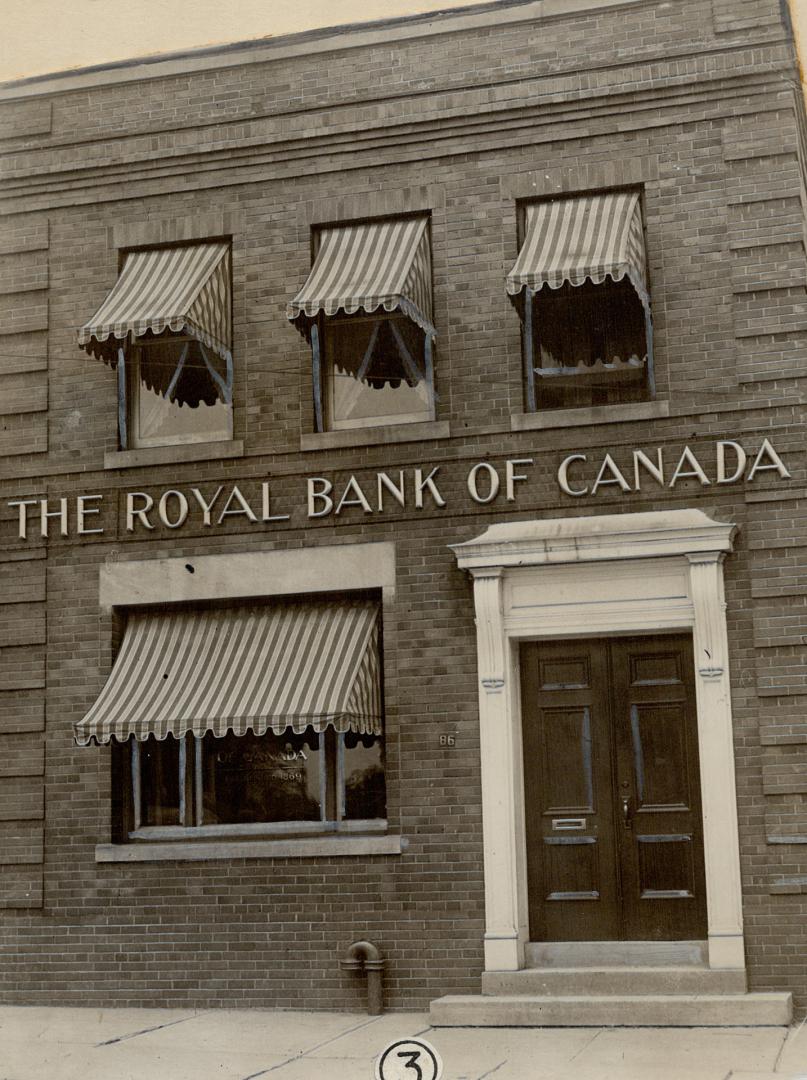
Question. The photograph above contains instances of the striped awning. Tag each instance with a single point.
(586, 238)
(247, 668)
(183, 290)
(383, 264)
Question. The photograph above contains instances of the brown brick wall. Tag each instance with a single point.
(687, 100)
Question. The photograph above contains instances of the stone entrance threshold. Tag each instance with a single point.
(608, 984)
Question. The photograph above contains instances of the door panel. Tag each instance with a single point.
(661, 852)
(665, 867)
(567, 756)
(571, 868)
(567, 736)
(612, 790)
(658, 734)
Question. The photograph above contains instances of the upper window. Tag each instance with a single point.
(366, 309)
(248, 718)
(580, 285)
(373, 372)
(166, 326)
(176, 392)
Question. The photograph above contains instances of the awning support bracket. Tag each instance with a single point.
(317, 375)
(169, 393)
(136, 790)
(651, 373)
(122, 430)
(368, 354)
(225, 388)
(429, 360)
(197, 780)
(409, 363)
(183, 781)
(529, 367)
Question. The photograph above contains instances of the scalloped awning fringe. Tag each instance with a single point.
(180, 290)
(367, 266)
(585, 238)
(246, 668)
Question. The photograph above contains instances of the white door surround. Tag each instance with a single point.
(620, 573)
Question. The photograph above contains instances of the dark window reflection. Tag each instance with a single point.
(365, 789)
(585, 327)
(254, 778)
(264, 779)
(159, 781)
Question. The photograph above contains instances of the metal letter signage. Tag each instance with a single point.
(725, 462)
(412, 490)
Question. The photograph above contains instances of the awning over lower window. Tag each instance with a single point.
(183, 290)
(383, 264)
(248, 668)
(586, 238)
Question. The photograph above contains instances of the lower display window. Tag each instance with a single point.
(287, 782)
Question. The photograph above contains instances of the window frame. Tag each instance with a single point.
(324, 379)
(527, 319)
(130, 438)
(317, 337)
(191, 799)
(310, 572)
(628, 384)
(127, 347)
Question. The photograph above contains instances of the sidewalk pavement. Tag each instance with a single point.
(174, 1044)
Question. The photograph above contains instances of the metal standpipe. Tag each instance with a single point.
(363, 955)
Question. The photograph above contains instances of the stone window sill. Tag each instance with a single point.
(286, 848)
(595, 414)
(377, 436)
(173, 455)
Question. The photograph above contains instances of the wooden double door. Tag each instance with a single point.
(612, 790)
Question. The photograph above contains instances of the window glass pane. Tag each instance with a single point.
(365, 788)
(177, 406)
(370, 381)
(159, 781)
(583, 326)
(251, 778)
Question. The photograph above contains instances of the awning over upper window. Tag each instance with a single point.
(383, 264)
(589, 237)
(247, 668)
(184, 290)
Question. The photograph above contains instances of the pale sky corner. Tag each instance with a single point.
(44, 36)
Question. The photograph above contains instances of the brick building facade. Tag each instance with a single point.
(476, 122)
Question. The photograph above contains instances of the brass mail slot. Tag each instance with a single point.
(567, 823)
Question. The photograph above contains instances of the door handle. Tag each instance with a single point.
(626, 810)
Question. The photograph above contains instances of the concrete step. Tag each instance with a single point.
(569, 982)
(597, 954)
(617, 1010)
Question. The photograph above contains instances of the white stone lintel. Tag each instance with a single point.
(330, 567)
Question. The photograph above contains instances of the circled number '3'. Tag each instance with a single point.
(409, 1059)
